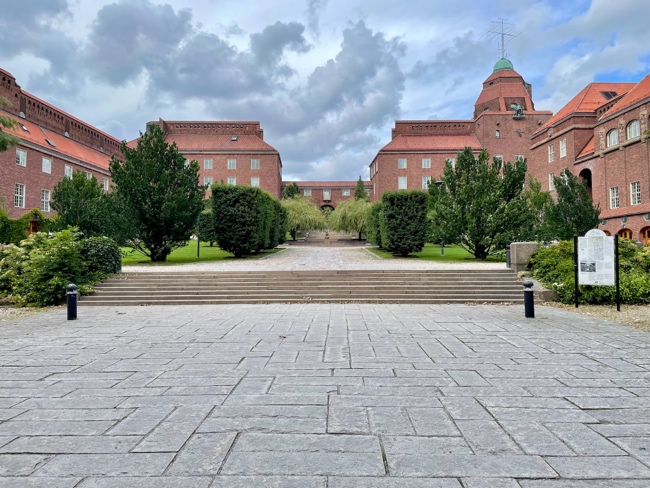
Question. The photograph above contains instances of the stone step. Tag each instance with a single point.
(126, 288)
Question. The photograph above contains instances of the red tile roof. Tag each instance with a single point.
(504, 73)
(221, 143)
(588, 149)
(587, 101)
(505, 90)
(326, 184)
(432, 143)
(64, 146)
(640, 92)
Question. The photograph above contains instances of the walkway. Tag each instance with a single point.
(336, 396)
(314, 258)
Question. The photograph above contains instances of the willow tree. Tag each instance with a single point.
(351, 216)
(303, 216)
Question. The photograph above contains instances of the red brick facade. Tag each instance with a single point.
(328, 194)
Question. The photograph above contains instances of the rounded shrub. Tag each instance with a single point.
(101, 255)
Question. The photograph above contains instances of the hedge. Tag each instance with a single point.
(403, 223)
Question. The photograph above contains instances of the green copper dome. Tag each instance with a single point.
(502, 63)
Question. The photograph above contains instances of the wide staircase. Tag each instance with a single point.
(370, 286)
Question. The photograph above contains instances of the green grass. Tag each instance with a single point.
(432, 252)
(186, 254)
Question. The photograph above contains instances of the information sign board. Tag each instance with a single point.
(596, 259)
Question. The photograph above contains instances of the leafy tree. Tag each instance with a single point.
(360, 192)
(574, 212)
(207, 231)
(303, 216)
(291, 191)
(479, 204)
(404, 221)
(7, 140)
(162, 192)
(537, 201)
(78, 201)
(351, 216)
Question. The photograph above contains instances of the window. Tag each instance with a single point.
(346, 192)
(327, 194)
(187, 163)
(563, 148)
(232, 180)
(19, 196)
(635, 193)
(497, 134)
(232, 164)
(255, 164)
(105, 184)
(612, 138)
(452, 161)
(614, 202)
(89, 175)
(67, 172)
(255, 181)
(401, 182)
(207, 180)
(47, 166)
(519, 157)
(207, 164)
(401, 163)
(21, 157)
(426, 163)
(425, 182)
(551, 182)
(551, 153)
(307, 192)
(499, 157)
(45, 200)
(633, 129)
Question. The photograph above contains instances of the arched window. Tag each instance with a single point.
(633, 129)
(612, 138)
(625, 233)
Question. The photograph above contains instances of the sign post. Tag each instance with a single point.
(596, 262)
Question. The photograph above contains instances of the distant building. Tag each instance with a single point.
(504, 119)
(327, 194)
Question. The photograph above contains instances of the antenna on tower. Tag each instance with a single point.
(501, 30)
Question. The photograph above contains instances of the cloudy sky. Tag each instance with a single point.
(326, 78)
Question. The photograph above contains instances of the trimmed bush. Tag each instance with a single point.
(404, 221)
(207, 232)
(102, 255)
(373, 226)
(553, 266)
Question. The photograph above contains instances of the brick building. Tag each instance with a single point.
(53, 144)
(232, 152)
(504, 118)
(600, 136)
(328, 194)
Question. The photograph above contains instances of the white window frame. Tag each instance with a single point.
(563, 148)
(232, 164)
(187, 163)
(425, 182)
(207, 163)
(327, 195)
(255, 181)
(345, 192)
(551, 153)
(633, 129)
(19, 195)
(67, 171)
(551, 182)
(451, 161)
(105, 184)
(402, 183)
(519, 157)
(21, 157)
(255, 163)
(635, 193)
(45, 200)
(426, 163)
(401, 163)
(614, 200)
(499, 157)
(46, 165)
(89, 175)
(306, 192)
(612, 138)
(207, 180)
(232, 180)
(497, 134)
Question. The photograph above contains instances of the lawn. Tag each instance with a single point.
(433, 252)
(187, 254)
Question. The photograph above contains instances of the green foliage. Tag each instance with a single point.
(291, 191)
(404, 221)
(303, 216)
(537, 201)
(37, 272)
(479, 204)
(373, 225)
(245, 219)
(207, 231)
(574, 212)
(12, 231)
(161, 192)
(7, 140)
(279, 227)
(351, 216)
(360, 192)
(553, 266)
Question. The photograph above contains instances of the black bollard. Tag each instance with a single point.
(71, 295)
(529, 300)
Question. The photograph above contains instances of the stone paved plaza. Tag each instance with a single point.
(337, 396)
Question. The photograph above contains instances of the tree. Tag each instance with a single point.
(479, 204)
(78, 201)
(537, 201)
(351, 216)
(162, 192)
(7, 123)
(291, 191)
(360, 192)
(403, 221)
(574, 212)
(303, 216)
